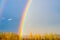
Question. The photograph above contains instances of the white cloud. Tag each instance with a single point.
(9, 19)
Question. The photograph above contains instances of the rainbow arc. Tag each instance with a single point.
(23, 18)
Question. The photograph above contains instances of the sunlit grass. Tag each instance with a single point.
(14, 36)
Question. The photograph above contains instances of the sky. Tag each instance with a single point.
(11, 15)
(0, 2)
(42, 16)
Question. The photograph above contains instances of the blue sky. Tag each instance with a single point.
(11, 15)
(43, 16)
(0, 2)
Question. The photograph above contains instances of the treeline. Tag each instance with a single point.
(43, 37)
(8, 36)
(14, 36)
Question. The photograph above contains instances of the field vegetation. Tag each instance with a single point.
(14, 36)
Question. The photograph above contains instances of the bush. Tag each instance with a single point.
(8, 36)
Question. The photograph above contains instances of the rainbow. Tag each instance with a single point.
(2, 5)
(23, 18)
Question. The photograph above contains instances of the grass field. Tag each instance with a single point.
(14, 36)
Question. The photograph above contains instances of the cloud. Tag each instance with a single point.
(10, 19)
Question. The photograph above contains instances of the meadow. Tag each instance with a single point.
(14, 36)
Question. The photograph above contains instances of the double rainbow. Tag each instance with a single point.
(23, 18)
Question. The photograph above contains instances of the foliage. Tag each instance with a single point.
(8, 36)
(14, 36)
